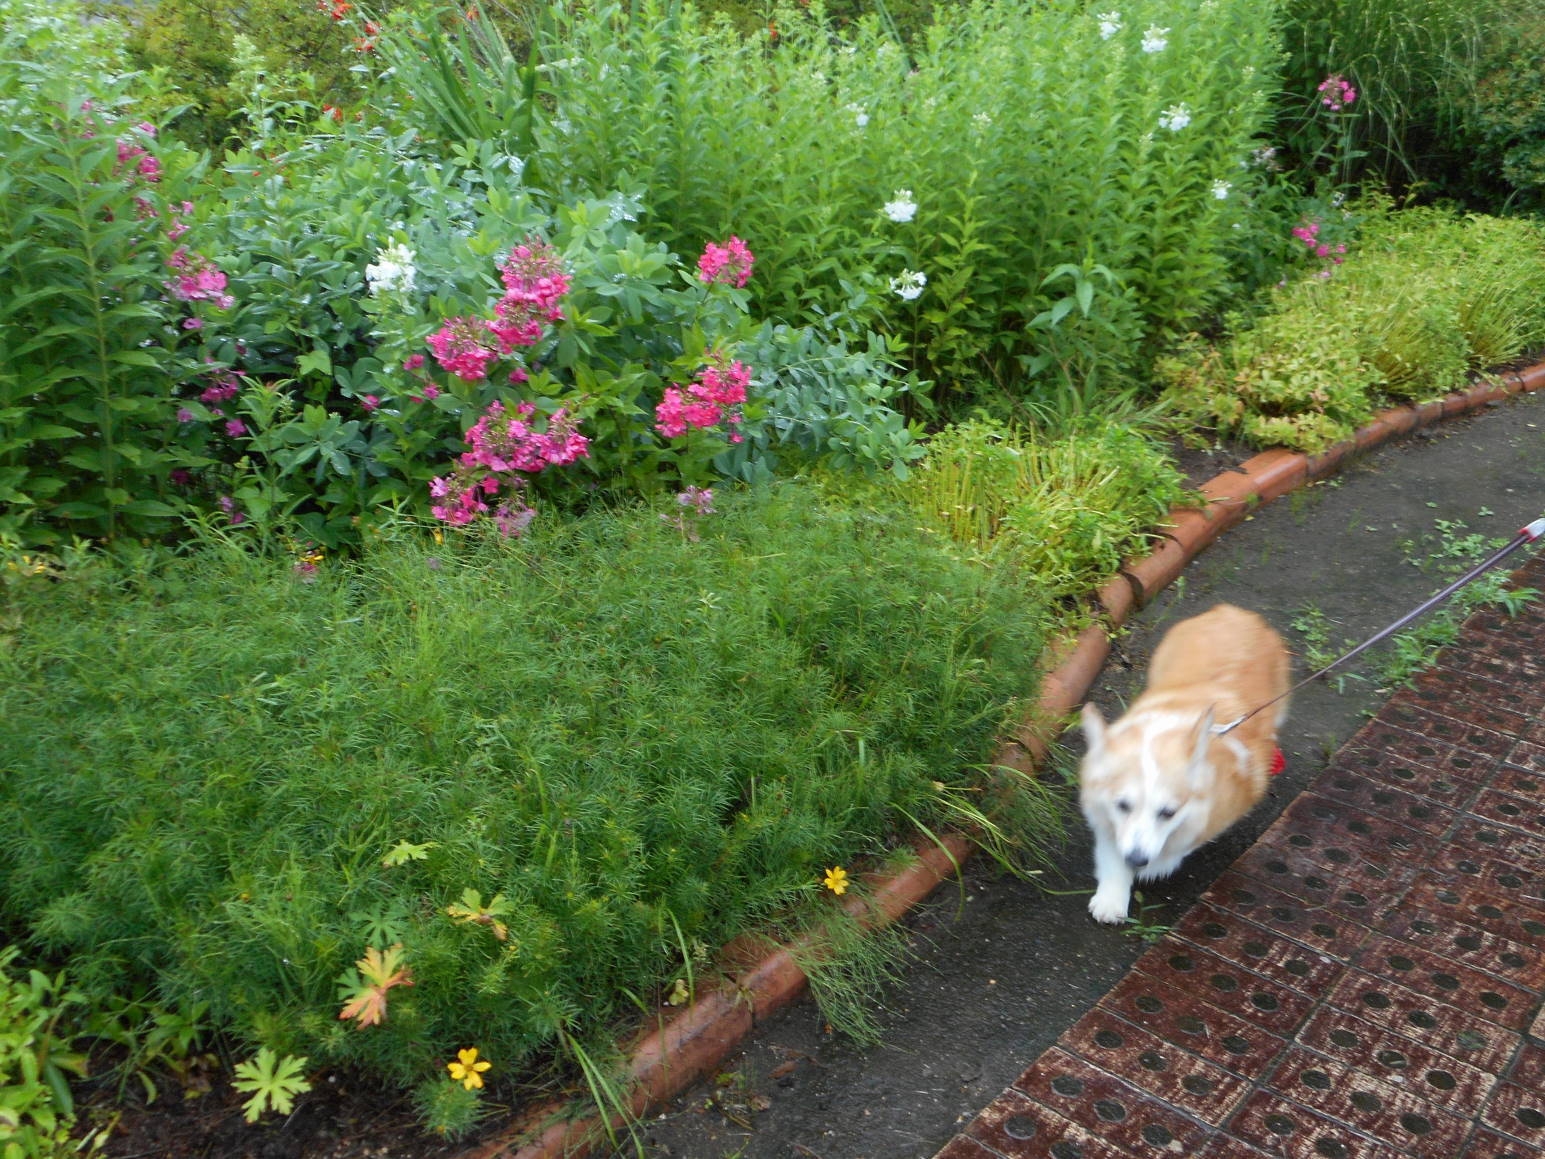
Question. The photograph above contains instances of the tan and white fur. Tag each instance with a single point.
(1158, 782)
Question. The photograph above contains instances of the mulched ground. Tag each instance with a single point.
(1365, 982)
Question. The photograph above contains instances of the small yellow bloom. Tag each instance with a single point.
(467, 1070)
(837, 880)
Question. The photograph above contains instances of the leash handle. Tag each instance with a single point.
(1527, 534)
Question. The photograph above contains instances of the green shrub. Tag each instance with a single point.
(1064, 510)
(542, 767)
(1411, 63)
(1054, 234)
(36, 1108)
(1505, 121)
(1425, 298)
(90, 340)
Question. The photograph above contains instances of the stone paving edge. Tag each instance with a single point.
(686, 1045)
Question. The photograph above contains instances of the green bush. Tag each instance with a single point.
(1505, 121)
(1055, 234)
(36, 1108)
(1411, 63)
(1064, 511)
(1425, 298)
(545, 768)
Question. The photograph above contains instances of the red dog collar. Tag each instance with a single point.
(1278, 761)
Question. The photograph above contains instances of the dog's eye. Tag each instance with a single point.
(1166, 813)
(1124, 806)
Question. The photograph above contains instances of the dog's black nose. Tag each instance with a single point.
(1137, 860)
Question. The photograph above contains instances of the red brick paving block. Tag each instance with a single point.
(1427, 802)
(1284, 914)
(961, 1147)
(1470, 1040)
(1292, 1131)
(1224, 1147)
(1528, 754)
(1487, 1145)
(1518, 812)
(1371, 1106)
(1445, 981)
(1145, 1060)
(1108, 1107)
(1014, 1126)
(1483, 728)
(1511, 778)
(1477, 902)
(1528, 1068)
(1501, 664)
(1377, 1051)
(1221, 982)
(1181, 1018)
(1477, 838)
(1470, 945)
(1262, 951)
(1353, 891)
(1519, 1114)
(1359, 769)
(1427, 752)
(1455, 694)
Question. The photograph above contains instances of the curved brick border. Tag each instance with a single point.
(686, 1045)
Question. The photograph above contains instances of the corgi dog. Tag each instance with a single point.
(1158, 782)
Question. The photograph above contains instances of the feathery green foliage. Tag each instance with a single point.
(620, 740)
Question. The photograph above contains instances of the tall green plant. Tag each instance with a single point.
(87, 336)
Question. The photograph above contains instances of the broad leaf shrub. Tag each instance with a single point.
(1062, 510)
(477, 794)
(1424, 298)
(36, 1107)
(1029, 190)
(1504, 123)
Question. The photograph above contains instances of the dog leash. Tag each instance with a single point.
(1525, 535)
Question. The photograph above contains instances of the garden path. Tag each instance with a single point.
(1005, 969)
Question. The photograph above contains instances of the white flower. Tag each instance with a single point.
(1154, 39)
(1110, 24)
(392, 271)
(903, 208)
(909, 285)
(860, 115)
(1175, 118)
(981, 120)
(1220, 189)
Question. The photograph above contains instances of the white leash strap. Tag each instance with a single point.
(1527, 534)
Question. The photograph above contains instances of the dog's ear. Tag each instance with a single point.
(1094, 728)
(1199, 739)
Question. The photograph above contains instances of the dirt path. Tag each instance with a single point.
(1001, 974)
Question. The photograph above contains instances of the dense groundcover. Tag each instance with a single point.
(552, 769)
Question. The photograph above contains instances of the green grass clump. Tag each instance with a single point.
(547, 768)
(1425, 298)
(1064, 511)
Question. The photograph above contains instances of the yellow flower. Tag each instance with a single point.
(837, 880)
(467, 1070)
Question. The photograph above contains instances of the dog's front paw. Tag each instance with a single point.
(1108, 906)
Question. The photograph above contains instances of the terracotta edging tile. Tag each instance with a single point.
(692, 1041)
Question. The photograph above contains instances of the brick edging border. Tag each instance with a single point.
(688, 1044)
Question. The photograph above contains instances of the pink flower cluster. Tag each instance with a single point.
(1336, 93)
(502, 445)
(464, 347)
(729, 263)
(1309, 234)
(198, 279)
(713, 397)
(534, 281)
(130, 155)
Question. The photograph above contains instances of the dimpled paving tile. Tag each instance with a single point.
(1365, 982)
